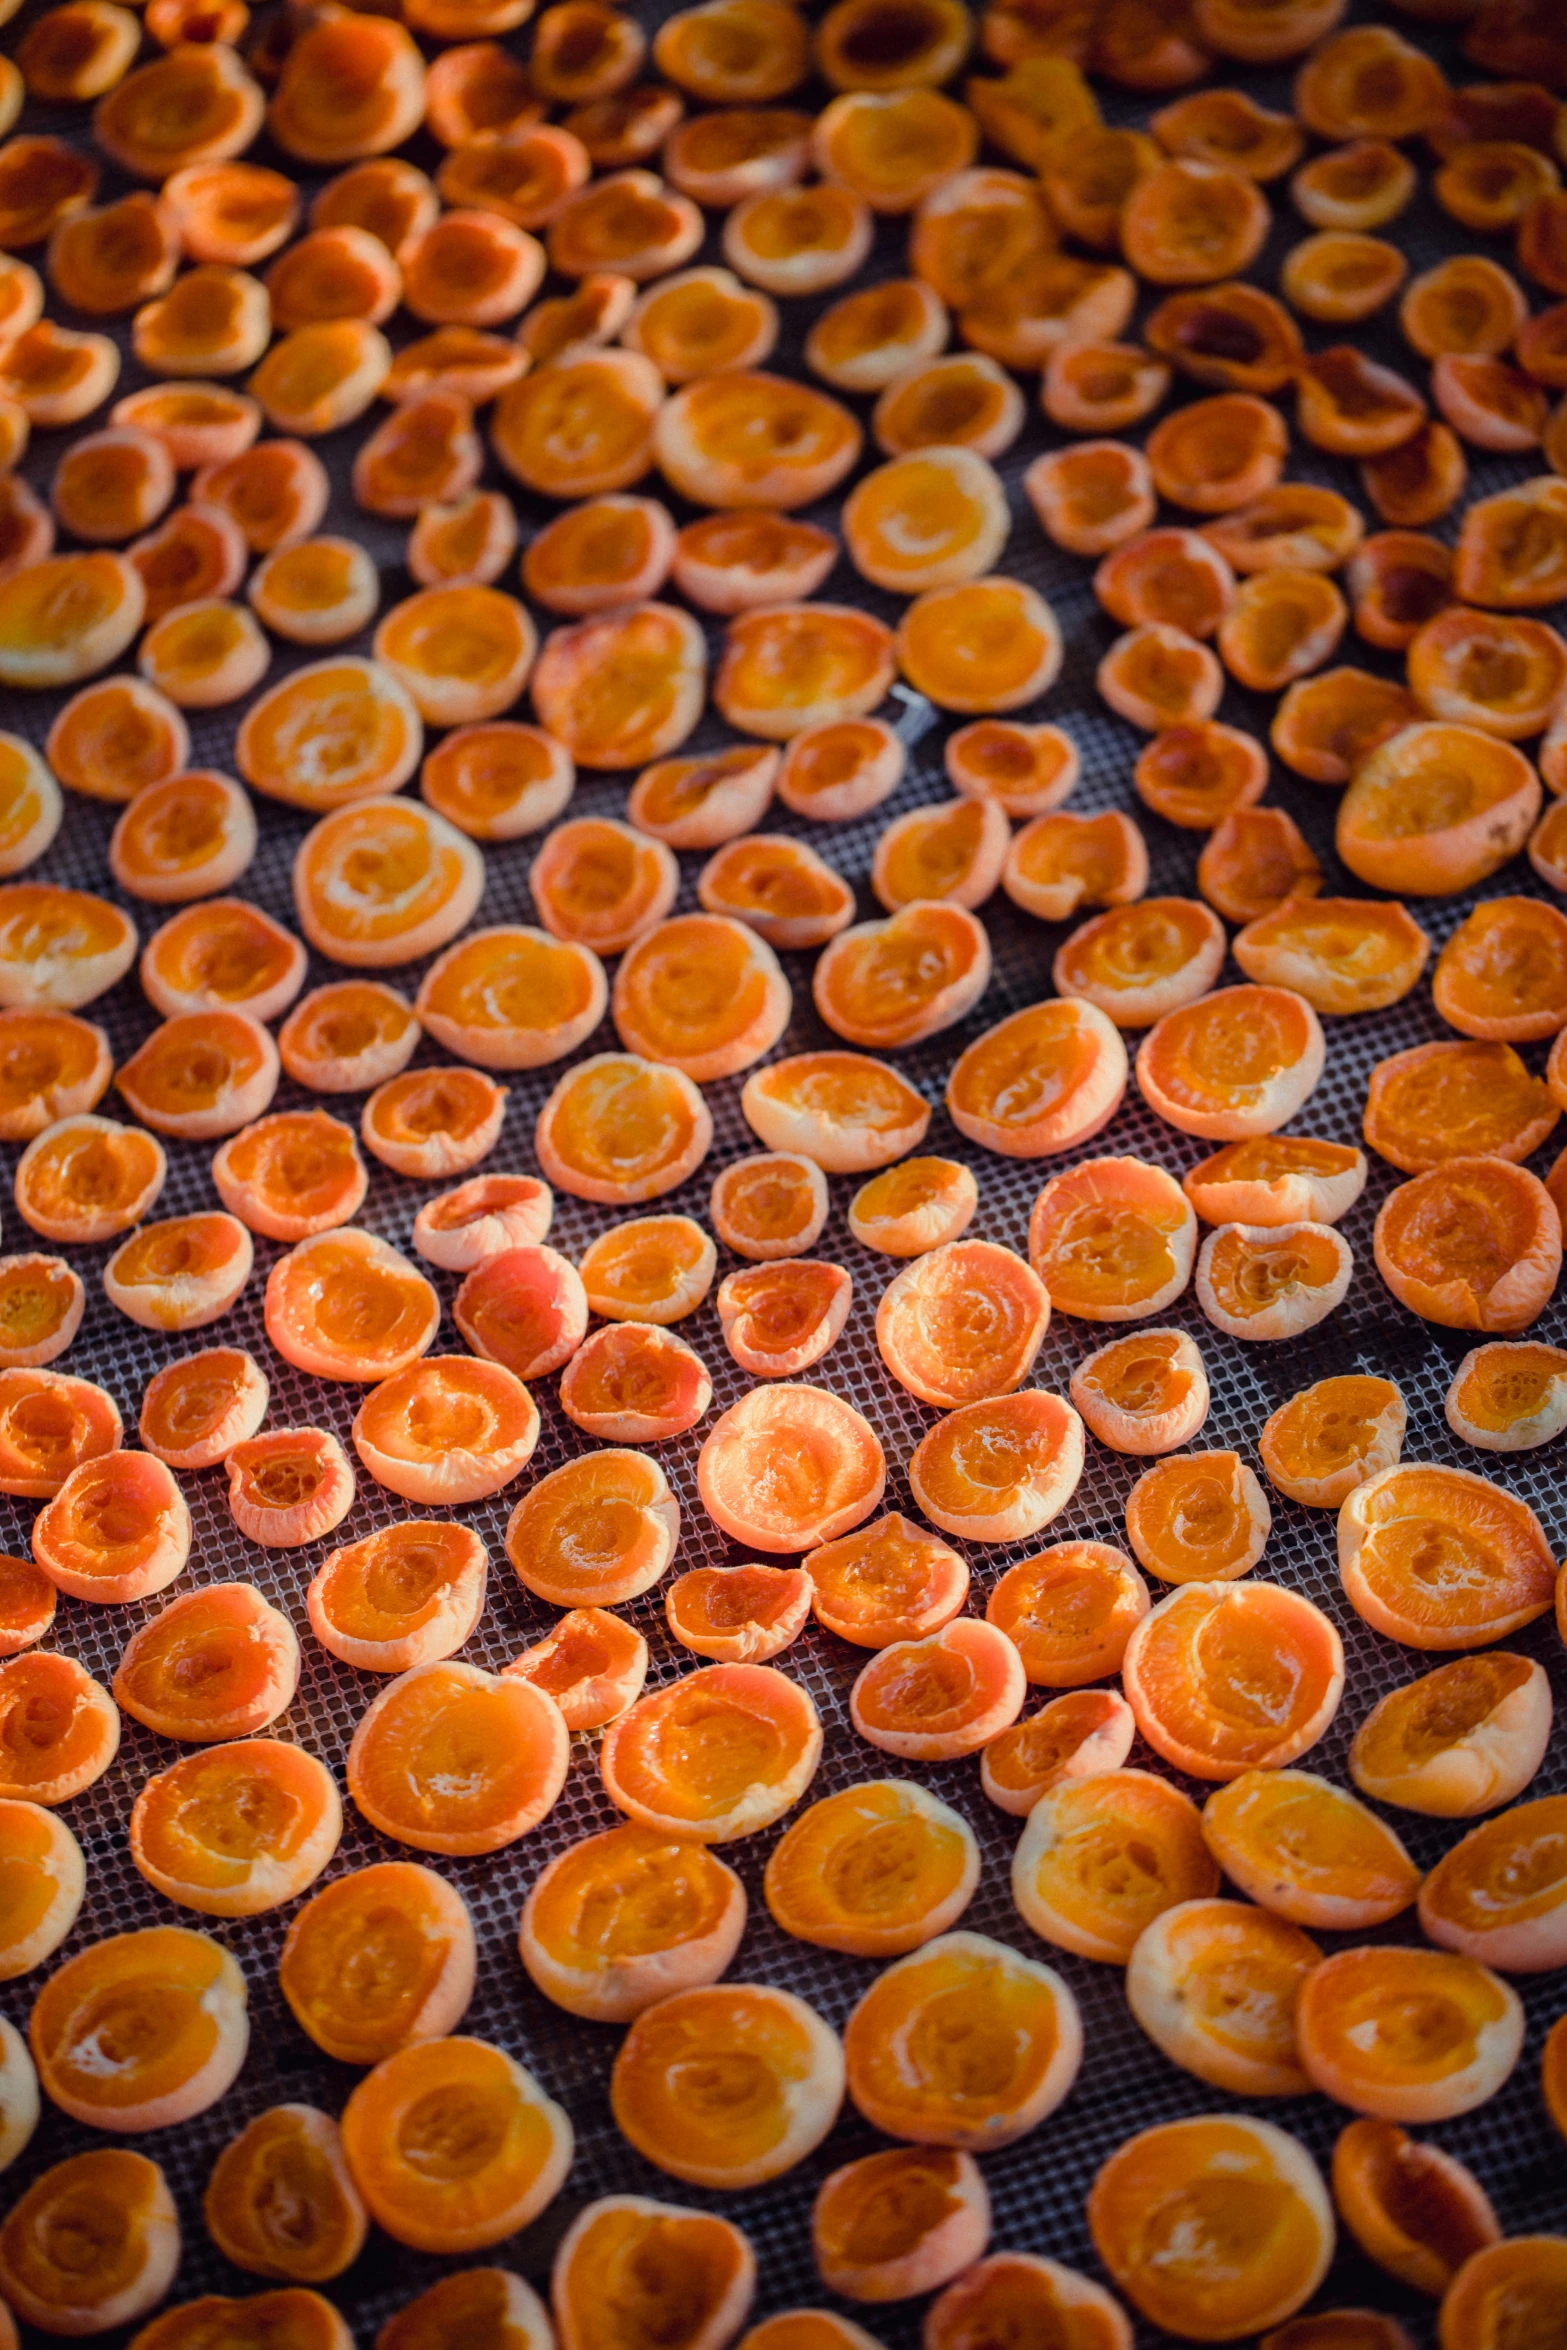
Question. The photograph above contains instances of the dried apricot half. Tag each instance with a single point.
(670, 2093)
(620, 1919)
(408, 1594)
(1230, 1677)
(216, 1663)
(404, 2118)
(1407, 2035)
(1331, 1437)
(1308, 1851)
(717, 1754)
(1143, 1394)
(1440, 1558)
(875, 1870)
(238, 1828)
(1473, 1243)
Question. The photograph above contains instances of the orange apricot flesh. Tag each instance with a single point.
(1440, 1558)
(379, 1960)
(672, 2092)
(195, 1410)
(179, 2007)
(1229, 1677)
(450, 1758)
(738, 1615)
(621, 1919)
(1069, 1612)
(1307, 1850)
(279, 2201)
(875, 1870)
(405, 1595)
(1411, 2206)
(403, 2119)
(592, 1663)
(715, 1755)
(1076, 1736)
(42, 1879)
(217, 1663)
(1408, 2035)
(1457, 1741)
(59, 1728)
(238, 1828)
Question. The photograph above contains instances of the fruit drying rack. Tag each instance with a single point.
(1037, 2186)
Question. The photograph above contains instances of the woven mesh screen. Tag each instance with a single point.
(1038, 2186)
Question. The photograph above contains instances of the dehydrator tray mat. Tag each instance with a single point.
(1037, 2186)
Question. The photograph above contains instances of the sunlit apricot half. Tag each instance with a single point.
(1041, 1081)
(888, 1581)
(430, 1122)
(384, 881)
(633, 1383)
(1272, 1281)
(379, 1960)
(347, 1305)
(1255, 861)
(1509, 1396)
(672, 2085)
(1217, 2225)
(718, 1754)
(1307, 1850)
(746, 438)
(524, 1308)
(592, 1663)
(50, 1424)
(279, 2200)
(962, 1323)
(141, 2030)
(947, 1694)
(118, 1528)
(1440, 1558)
(902, 2222)
(52, 1067)
(953, 853)
(238, 1829)
(1436, 808)
(453, 2145)
(201, 1074)
(1498, 1895)
(348, 1037)
(1473, 1243)
(1331, 1437)
(59, 947)
(1438, 1102)
(999, 1471)
(1092, 496)
(1214, 1984)
(1198, 1518)
(447, 1429)
(43, 1876)
(482, 1218)
(599, 883)
(1230, 1677)
(289, 1485)
(1341, 954)
(450, 1758)
(41, 1305)
(406, 1595)
(27, 1605)
(700, 993)
(1503, 972)
(780, 1317)
(1143, 1394)
(696, 2272)
(912, 2040)
(596, 1532)
(845, 1111)
(876, 1870)
(1069, 1612)
(1408, 2035)
(622, 1919)
(1234, 1064)
(216, 1663)
(59, 1728)
(780, 887)
(184, 838)
(94, 2242)
(1113, 1240)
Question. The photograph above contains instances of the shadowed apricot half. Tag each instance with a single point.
(1025, 2291)
(52, 1066)
(847, 1112)
(1308, 1851)
(430, 1122)
(348, 1036)
(1458, 1741)
(695, 2272)
(59, 1728)
(1517, 2282)
(888, 1581)
(27, 1605)
(1440, 1558)
(962, 1323)
(1041, 1081)
(236, 1829)
(1214, 1984)
(999, 1471)
(672, 2095)
(1412, 2207)
(1214, 2226)
(452, 1759)
(622, 1919)
(59, 948)
(1443, 1101)
(875, 1870)
(379, 1960)
(1408, 2035)
(213, 1664)
(1473, 1244)
(1500, 1895)
(279, 2200)
(94, 2242)
(1237, 1063)
(592, 1663)
(45, 1876)
(453, 2145)
(715, 1755)
(649, 1269)
(178, 2001)
(901, 2222)
(50, 1424)
(1331, 1437)
(118, 1528)
(1230, 1677)
(1509, 1396)
(790, 1467)
(41, 1305)
(524, 1308)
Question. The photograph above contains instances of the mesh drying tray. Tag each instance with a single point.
(1037, 2186)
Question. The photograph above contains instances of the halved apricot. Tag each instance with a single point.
(1221, 2222)
(717, 1754)
(1503, 972)
(1408, 2035)
(1308, 1851)
(1274, 1281)
(702, 994)
(117, 1528)
(732, 562)
(901, 2222)
(1342, 954)
(452, 2143)
(779, 886)
(1498, 1896)
(183, 838)
(289, 1485)
(582, 425)
(596, 1532)
(523, 1308)
(379, 1960)
(117, 738)
(407, 1595)
(886, 1582)
(1112, 1241)
(222, 955)
(634, 1383)
(1156, 676)
(346, 1305)
(618, 1129)
(177, 2002)
(780, 1317)
(946, 1694)
(846, 1111)
(876, 1870)
(27, 1606)
(696, 2272)
(51, 1424)
(1418, 481)
(592, 1663)
(999, 1471)
(1437, 1102)
(292, 2313)
(620, 1919)
(671, 2095)
(1519, 2281)
(41, 1304)
(769, 1206)
(470, 537)
(1285, 623)
(1508, 1396)
(279, 2200)
(213, 321)
(962, 1323)
(1230, 1677)
(587, 318)
(750, 439)
(1137, 962)
(1195, 775)
(450, 1758)
(1041, 1081)
(841, 768)
(1512, 548)
(59, 1728)
(1198, 1518)
(620, 689)
(1021, 2289)
(433, 1121)
(1091, 497)
(1472, 1243)
(1325, 725)
(94, 2242)
(1069, 1612)
(1145, 1394)
(213, 1664)
(348, 1037)
(911, 2041)
(1331, 1437)
(1101, 386)
(1237, 1063)
(54, 377)
(481, 1218)
(1215, 1984)
(1436, 808)
(918, 1205)
(201, 1074)
(238, 1829)
(1439, 1558)
(795, 669)
(383, 881)
(651, 1269)
(44, 1877)
(425, 452)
